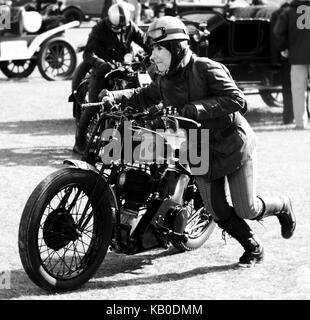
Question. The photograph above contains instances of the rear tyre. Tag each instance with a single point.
(199, 226)
(56, 254)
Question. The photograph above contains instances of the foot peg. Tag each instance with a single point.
(174, 236)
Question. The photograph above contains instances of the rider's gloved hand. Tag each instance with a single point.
(189, 111)
(156, 109)
(106, 96)
(102, 67)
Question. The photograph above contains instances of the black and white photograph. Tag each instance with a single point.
(155, 151)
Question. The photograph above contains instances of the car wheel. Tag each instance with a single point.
(73, 14)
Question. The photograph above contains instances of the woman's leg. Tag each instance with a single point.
(215, 200)
(242, 185)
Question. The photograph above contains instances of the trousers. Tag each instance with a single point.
(96, 84)
(299, 82)
(241, 185)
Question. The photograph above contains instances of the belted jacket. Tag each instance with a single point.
(207, 85)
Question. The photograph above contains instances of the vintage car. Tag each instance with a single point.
(239, 37)
(29, 39)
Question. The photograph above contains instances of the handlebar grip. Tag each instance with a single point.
(93, 104)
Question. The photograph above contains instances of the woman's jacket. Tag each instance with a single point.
(207, 85)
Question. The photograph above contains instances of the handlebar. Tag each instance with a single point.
(146, 114)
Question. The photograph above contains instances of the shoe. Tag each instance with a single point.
(241, 231)
(250, 258)
(287, 219)
(282, 208)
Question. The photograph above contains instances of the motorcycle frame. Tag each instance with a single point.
(113, 195)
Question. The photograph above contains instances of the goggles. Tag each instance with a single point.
(118, 28)
(158, 34)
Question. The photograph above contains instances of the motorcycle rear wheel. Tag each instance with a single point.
(56, 255)
(199, 226)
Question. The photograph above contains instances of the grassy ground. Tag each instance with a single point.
(36, 134)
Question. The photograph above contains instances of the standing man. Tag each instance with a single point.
(292, 32)
(281, 58)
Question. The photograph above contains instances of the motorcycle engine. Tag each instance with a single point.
(136, 188)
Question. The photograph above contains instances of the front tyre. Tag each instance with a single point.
(56, 254)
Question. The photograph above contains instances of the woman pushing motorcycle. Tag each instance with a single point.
(203, 90)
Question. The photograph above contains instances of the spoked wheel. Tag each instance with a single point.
(60, 247)
(18, 68)
(57, 60)
(200, 223)
(271, 99)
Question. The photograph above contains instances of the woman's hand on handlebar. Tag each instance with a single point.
(106, 97)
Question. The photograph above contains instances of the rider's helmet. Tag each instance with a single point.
(164, 29)
(119, 16)
(171, 33)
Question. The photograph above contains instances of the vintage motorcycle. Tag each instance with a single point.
(133, 72)
(76, 214)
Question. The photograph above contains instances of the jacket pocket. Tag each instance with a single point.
(229, 141)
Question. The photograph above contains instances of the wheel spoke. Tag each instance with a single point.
(71, 201)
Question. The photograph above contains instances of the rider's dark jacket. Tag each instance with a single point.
(103, 44)
(209, 87)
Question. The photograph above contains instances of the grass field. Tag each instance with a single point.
(36, 134)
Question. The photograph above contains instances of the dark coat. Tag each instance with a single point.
(207, 85)
(292, 31)
(104, 46)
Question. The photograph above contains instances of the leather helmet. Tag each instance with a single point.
(166, 28)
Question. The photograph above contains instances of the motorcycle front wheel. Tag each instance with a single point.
(56, 252)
